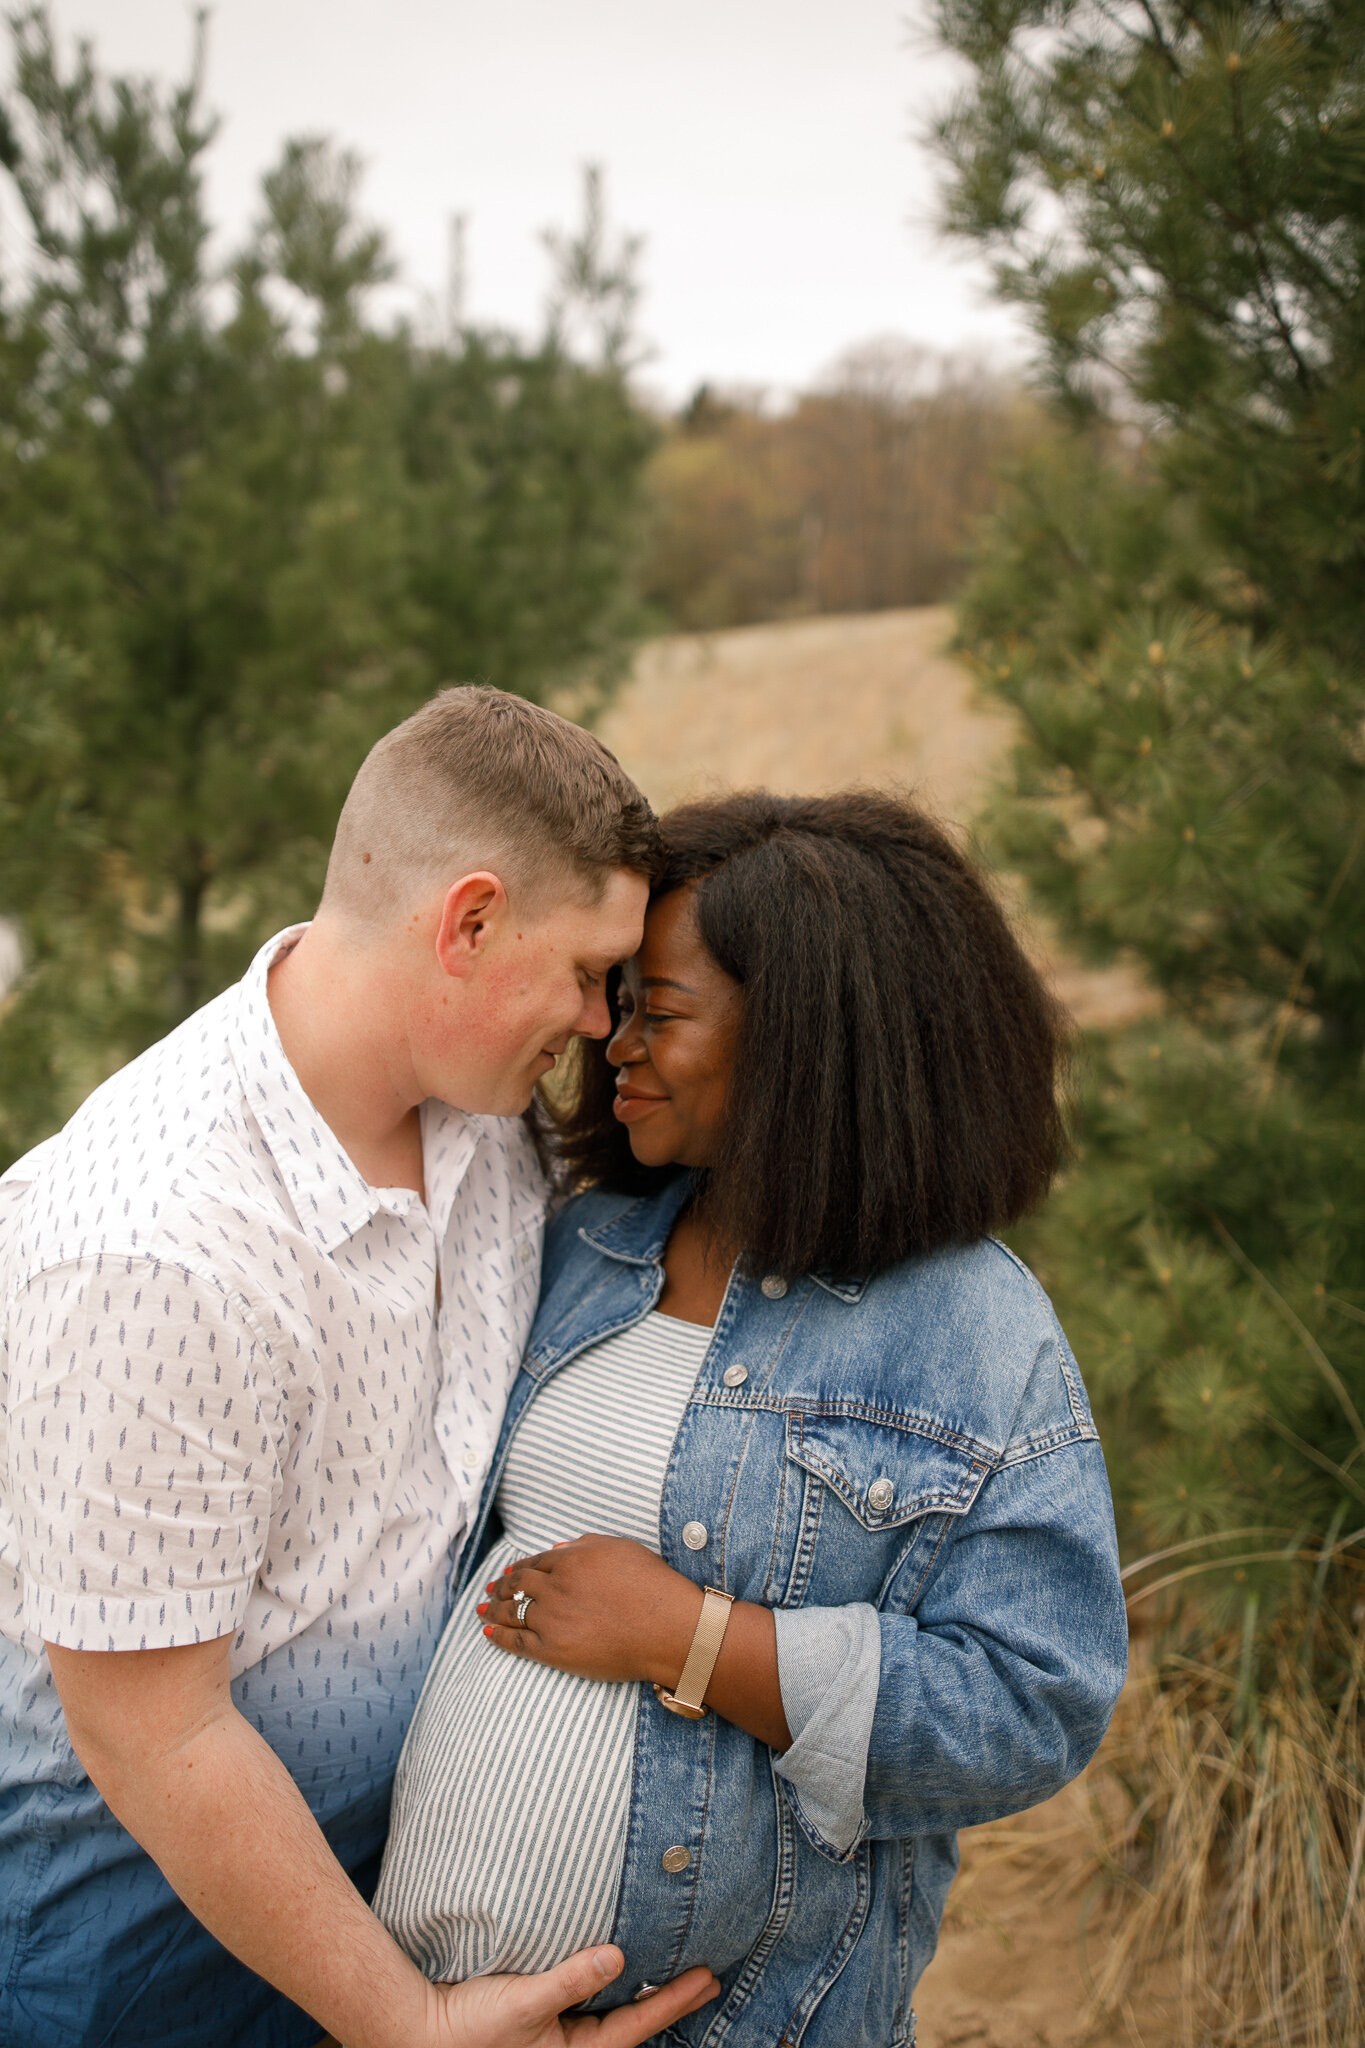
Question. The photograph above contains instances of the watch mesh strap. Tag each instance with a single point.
(690, 1691)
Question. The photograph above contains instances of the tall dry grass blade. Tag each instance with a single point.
(1141, 1564)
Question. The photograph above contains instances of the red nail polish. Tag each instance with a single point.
(488, 1631)
(482, 1607)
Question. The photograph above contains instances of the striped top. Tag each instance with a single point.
(512, 1799)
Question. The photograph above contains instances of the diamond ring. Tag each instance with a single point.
(522, 1601)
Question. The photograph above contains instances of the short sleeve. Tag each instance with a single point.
(142, 1454)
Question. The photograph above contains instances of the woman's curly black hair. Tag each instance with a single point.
(895, 1086)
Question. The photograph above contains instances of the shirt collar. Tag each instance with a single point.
(331, 1196)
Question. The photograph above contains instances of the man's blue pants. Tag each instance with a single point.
(96, 1950)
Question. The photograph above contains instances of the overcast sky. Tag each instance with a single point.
(765, 149)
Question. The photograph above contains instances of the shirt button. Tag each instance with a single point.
(735, 1375)
(694, 1536)
(676, 1858)
(774, 1286)
(471, 1459)
(880, 1495)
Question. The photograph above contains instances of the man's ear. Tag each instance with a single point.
(471, 907)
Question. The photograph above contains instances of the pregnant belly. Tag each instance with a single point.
(510, 1808)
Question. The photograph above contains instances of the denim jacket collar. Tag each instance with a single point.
(637, 1236)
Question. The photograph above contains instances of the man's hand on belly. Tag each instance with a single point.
(525, 2012)
(214, 1807)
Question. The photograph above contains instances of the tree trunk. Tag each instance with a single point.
(187, 973)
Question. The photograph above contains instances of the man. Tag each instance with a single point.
(260, 1305)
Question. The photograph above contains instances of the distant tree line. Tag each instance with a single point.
(863, 494)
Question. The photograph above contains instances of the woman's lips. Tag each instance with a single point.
(630, 1105)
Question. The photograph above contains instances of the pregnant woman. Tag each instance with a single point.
(850, 1580)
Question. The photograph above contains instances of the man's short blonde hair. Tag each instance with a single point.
(481, 779)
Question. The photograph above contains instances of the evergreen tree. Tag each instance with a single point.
(245, 531)
(1172, 597)
(1177, 195)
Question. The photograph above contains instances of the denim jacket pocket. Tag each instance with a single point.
(885, 1474)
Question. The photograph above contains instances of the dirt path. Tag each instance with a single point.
(1018, 1947)
(817, 704)
(810, 705)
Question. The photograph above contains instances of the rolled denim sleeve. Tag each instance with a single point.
(829, 1670)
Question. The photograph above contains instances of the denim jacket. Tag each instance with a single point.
(906, 1471)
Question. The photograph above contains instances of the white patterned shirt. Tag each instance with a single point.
(229, 1404)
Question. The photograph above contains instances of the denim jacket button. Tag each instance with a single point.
(646, 1990)
(774, 1286)
(735, 1375)
(694, 1536)
(676, 1858)
(880, 1495)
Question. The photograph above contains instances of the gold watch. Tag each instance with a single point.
(688, 1694)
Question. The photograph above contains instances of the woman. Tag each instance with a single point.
(778, 1356)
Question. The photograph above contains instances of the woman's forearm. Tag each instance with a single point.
(744, 1686)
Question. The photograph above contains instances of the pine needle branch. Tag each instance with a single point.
(1305, 1336)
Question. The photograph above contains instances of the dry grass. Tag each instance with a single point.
(1200, 1887)
(1230, 1827)
(809, 705)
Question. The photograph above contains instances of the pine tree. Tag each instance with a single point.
(243, 530)
(1177, 195)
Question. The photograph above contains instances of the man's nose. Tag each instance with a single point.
(594, 1019)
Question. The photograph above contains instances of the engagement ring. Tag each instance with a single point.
(521, 1603)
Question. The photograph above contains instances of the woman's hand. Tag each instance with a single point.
(604, 1607)
(601, 1607)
